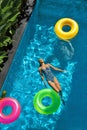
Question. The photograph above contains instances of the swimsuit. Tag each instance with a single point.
(48, 74)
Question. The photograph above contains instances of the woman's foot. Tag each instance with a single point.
(60, 93)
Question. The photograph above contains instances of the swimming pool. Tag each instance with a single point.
(39, 41)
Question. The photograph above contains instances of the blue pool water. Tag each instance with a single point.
(39, 41)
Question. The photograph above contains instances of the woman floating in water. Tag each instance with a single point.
(51, 79)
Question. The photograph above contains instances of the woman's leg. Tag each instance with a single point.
(52, 84)
(59, 88)
(57, 84)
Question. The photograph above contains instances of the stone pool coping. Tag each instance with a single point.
(15, 42)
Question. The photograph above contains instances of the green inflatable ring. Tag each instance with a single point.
(46, 109)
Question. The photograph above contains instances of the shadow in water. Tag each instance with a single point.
(62, 51)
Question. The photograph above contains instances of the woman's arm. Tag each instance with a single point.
(56, 68)
(40, 71)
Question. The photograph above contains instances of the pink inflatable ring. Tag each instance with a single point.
(15, 110)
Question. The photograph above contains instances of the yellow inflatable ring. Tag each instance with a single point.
(58, 29)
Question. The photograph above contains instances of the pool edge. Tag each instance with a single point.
(15, 43)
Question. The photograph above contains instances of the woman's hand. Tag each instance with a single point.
(42, 77)
(64, 71)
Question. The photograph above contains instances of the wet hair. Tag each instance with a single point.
(40, 61)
